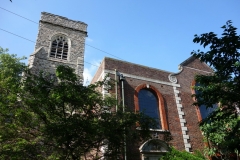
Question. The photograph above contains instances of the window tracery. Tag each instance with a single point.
(59, 48)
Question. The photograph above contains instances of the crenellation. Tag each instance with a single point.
(63, 21)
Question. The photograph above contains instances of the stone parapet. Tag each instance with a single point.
(63, 21)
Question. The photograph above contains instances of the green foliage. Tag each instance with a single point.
(222, 87)
(182, 155)
(48, 116)
(11, 69)
(16, 135)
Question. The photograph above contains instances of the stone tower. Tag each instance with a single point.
(60, 41)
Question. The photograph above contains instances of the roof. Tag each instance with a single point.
(187, 61)
(136, 64)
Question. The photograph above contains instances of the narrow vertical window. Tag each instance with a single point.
(59, 48)
(204, 111)
(148, 104)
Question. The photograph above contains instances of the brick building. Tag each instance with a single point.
(173, 106)
(165, 96)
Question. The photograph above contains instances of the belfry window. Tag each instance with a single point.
(148, 104)
(59, 48)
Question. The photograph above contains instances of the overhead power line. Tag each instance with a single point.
(17, 35)
(35, 42)
(38, 23)
(103, 51)
(19, 15)
(91, 64)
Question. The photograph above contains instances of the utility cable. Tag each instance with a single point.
(71, 38)
(35, 42)
(17, 35)
(18, 15)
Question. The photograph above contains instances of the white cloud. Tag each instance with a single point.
(89, 71)
(89, 39)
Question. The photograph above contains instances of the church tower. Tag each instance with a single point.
(60, 41)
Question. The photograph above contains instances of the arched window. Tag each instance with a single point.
(203, 111)
(149, 100)
(59, 48)
(153, 149)
(148, 104)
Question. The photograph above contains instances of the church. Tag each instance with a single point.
(162, 95)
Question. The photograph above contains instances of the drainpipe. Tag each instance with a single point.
(122, 78)
(116, 89)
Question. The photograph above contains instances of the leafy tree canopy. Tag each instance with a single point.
(182, 155)
(47, 116)
(222, 87)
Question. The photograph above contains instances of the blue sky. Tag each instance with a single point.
(154, 33)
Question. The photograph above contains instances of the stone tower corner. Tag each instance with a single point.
(60, 41)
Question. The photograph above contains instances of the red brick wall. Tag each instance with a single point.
(99, 72)
(185, 79)
(138, 70)
(195, 63)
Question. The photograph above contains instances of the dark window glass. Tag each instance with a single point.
(148, 104)
(205, 112)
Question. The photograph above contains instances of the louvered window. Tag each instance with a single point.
(59, 48)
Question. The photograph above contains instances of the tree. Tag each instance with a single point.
(174, 154)
(222, 87)
(15, 137)
(56, 117)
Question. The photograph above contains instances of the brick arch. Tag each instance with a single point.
(161, 105)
